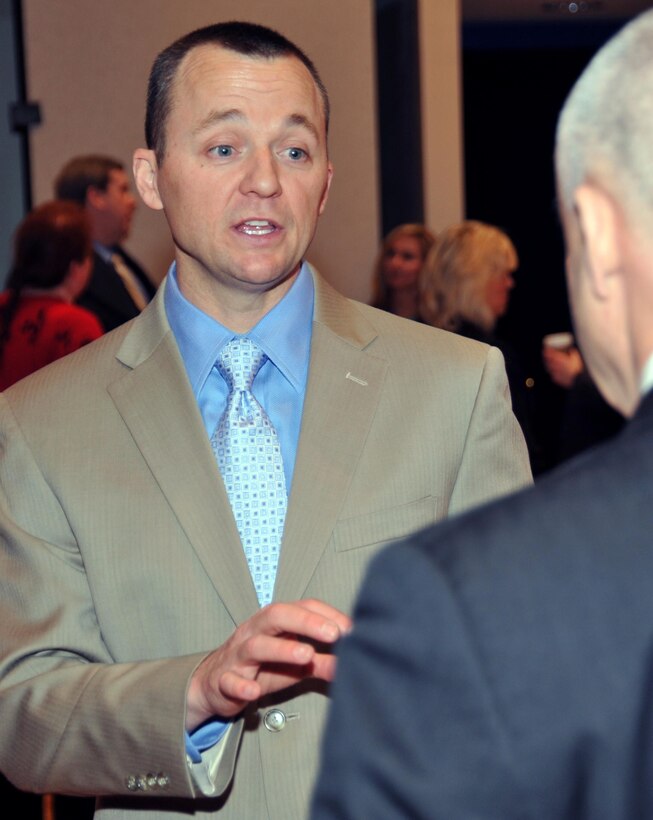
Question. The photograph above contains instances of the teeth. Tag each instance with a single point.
(257, 227)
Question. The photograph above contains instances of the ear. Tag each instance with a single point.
(600, 224)
(325, 195)
(95, 198)
(145, 175)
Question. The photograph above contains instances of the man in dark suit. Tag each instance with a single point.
(501, 664)
(119, 288)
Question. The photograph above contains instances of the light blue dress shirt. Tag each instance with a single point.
(284, 335)
(103, 252)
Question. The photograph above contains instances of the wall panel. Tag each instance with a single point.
(87, 64)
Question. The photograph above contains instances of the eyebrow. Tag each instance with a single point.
(214, 117)
(303, 122)
(235, 114)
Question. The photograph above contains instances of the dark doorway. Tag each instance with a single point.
(515, 80)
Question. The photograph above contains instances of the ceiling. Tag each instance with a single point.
(549, 10)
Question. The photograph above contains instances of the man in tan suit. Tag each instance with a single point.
(122, 567)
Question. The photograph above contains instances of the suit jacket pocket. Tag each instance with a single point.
(386, 525)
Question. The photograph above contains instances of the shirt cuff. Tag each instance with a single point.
(203, 738)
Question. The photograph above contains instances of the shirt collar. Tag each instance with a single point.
(646, 381)
(102, 251)
(284, 334)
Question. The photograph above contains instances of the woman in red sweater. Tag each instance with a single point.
(51, 267)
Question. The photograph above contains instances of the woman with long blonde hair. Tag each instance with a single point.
(466, 279)
(464, 287)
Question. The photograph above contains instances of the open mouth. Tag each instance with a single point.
(257, 227)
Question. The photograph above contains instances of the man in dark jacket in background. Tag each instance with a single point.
(119, 288)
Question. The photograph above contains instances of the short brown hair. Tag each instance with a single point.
(81, 173)
(248, 39)
(46, 242)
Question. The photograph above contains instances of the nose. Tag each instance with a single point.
(261, 175)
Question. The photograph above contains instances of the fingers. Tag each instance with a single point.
(552, 356)
(266, 653)
(274, 676)
(309, 619)
(239, 690)
(324, 667)
(263, 649)
(562, 366)
(326, 611)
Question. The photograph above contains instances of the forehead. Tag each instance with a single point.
(212, 77)
(405, 242)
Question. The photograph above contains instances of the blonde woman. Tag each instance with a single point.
(466, 279)
(397, 269)
(464, 287)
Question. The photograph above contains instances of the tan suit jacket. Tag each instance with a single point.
(121, 565)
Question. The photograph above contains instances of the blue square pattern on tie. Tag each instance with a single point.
(247, 449)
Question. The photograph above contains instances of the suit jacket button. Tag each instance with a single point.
(274, 720)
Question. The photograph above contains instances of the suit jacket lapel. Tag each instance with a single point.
(344, 387)
(157, 404)
(343, 391)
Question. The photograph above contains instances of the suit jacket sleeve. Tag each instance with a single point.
(494, 440)
(63, 699)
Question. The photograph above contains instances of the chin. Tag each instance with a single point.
(615, 387)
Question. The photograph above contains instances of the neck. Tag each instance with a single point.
(60, 292)
(236, 310)
(104, 238)
(404, 303)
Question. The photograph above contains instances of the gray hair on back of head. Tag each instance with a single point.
(605, 130)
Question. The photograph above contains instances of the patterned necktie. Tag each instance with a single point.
(248, 453)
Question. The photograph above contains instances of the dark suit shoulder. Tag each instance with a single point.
(534, 620)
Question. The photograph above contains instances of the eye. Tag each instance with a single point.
(296, 154)
(222, 150)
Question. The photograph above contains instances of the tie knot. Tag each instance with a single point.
(239, 362)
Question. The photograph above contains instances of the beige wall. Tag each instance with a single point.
(88, 62)
(441, 92)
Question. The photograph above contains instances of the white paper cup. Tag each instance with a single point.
(559, 341)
